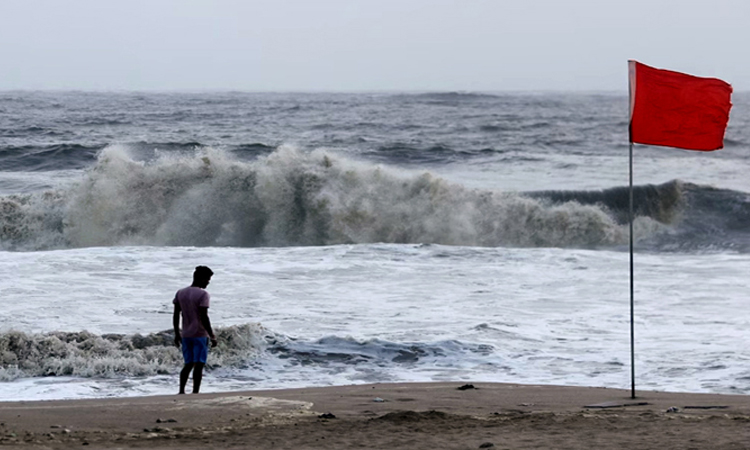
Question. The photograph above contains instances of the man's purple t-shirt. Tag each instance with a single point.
(189, 299)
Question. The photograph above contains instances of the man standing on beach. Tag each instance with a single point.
(191, 303)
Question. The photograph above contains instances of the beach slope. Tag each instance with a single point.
(387, 416)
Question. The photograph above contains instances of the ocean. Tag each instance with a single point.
(365, 238)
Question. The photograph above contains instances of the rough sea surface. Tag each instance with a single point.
(360, 238)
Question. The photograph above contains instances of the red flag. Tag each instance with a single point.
(674, 109)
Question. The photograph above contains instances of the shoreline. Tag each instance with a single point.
(436, 415)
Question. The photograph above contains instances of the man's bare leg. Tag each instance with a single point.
(197, 377)
(184, 375)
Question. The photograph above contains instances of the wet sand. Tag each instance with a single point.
(387, 416)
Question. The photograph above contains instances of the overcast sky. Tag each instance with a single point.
(366, 45)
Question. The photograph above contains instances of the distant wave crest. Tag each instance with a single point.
(209, 197)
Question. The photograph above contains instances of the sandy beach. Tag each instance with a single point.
(387, 416)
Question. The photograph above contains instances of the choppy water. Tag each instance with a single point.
(364, 238)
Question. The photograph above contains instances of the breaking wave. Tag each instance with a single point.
(85, 354)
(209, 197)
(250, 346)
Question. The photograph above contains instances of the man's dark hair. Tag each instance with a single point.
(202, 273)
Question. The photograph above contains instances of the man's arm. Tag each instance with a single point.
(176, 325)
(203, 313)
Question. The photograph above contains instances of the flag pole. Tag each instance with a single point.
(632, 323)
(631, 96)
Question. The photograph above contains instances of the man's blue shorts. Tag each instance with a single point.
(195, 349)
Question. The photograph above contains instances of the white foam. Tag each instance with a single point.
(546, 315)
